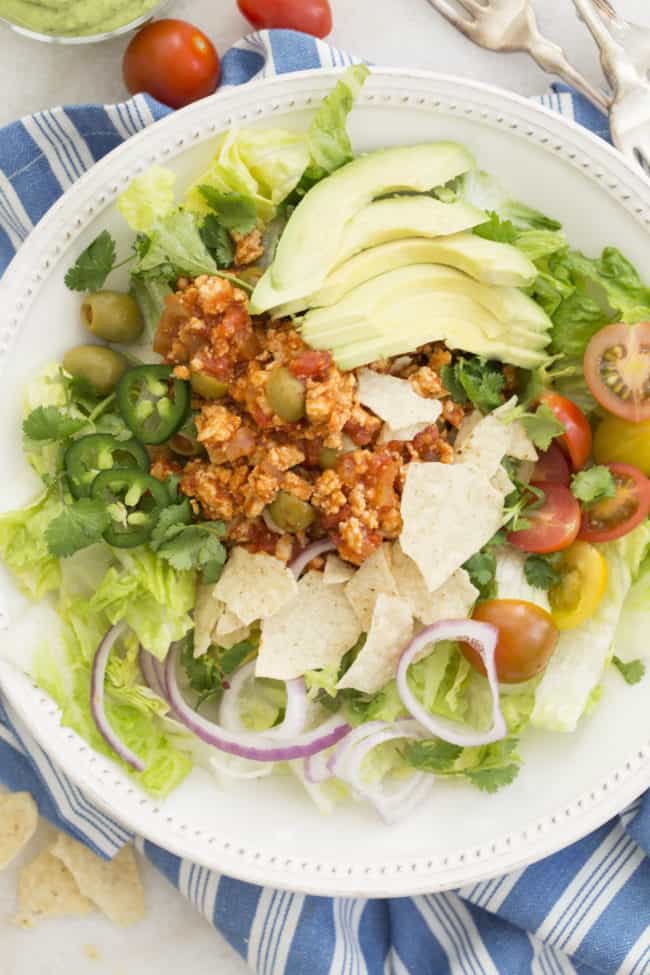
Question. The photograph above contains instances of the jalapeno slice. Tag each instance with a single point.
(89, 456)
(153, 403)
(134, 500)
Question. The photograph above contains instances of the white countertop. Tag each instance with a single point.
(173, 938)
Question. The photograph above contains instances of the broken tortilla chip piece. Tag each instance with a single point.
(395, 400)
(386, 434)
(18, 822)
(312, 631)
(207, 613)
(390, 631)
(46, 888)
(113, 885)
(521, 446)
(485, 446)
(336, 570)
(371, 579)
(453, 600)
(449, 512)
(255, 586)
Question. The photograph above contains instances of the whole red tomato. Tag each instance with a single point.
(172, 61)
(310, 16)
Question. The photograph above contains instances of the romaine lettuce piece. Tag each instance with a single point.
(148, 198)
(23, 547)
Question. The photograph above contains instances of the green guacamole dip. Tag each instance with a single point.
(73, 18)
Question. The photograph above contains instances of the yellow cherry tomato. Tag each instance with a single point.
(576, 597)
(619, 441)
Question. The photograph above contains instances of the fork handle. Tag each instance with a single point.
(551, 58)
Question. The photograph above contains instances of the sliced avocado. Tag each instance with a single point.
(487, 261)
(398, 311)
(309, 245)
(405, 216)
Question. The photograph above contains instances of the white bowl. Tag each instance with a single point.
(268, 831)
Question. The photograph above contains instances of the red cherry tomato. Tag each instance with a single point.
(309, 16)
(614, 517)
(576, 441)
(527, 638)
(172, 61)
(617, 369)
(553, 526)
(552, 467)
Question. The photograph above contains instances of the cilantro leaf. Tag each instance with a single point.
(171, 522)
(92, 267)
(632, 671)
(540, 571)
(231, 659)
(51, 423)
(524, 499)
(432, 755)
(235, 211)
(207, 674)
(593, 484)
(80, 524)
(492, 779)
(217, 239)
(542, 426)
(477, 380)
(195, 547)
(497, 229)
(482, 568)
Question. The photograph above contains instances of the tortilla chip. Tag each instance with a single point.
(207, 613)
(390, 631)
(254, 587)
(18, 822)
(395, 400)
(449, 511)
(386, 434)
(521, 446)
(453, 600)
(501, 482)
(486, 445)
(46, 888)
(113, 885)
(227, 623)
(314, 630)
(373, 577)
(336, 570)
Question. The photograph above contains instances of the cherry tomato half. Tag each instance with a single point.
(576, 441)
(309, 16)
(173, 61)
(617, 369)
(527, 638)
(614, 517)
(552, 467)
(621, 441)
(583, 580)
(553, 526)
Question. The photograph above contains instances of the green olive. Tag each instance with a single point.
(102, 368)
(112, 316)
(328, 457)
(209, 387)
(290, 513)
(286, 394)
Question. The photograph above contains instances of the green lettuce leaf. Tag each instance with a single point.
(150, 294)
(148, 198)
(23, 545)
(329, 142)
(173, 248)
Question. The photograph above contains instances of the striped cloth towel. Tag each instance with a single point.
(584, 910)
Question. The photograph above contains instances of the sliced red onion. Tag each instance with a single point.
(316, 768)
(302, 560)
(483, 638)
(267, 518)
(150, 673)
(97, 677)
(295, 714)
(248, 744)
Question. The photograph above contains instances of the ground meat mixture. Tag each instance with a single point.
(332, 458)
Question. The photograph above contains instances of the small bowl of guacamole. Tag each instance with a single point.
(77, 21)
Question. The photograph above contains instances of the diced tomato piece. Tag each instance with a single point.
(310, 364)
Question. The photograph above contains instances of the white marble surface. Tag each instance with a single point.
(174, 938)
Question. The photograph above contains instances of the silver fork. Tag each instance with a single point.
(511, 25)
(625, 57)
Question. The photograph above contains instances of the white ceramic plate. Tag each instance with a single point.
(268, 831)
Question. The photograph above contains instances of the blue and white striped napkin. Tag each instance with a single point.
(585, 910)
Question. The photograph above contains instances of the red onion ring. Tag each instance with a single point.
(295, 714)
(98, 711)
(302, 560)
(249, 744)
(150, 673)
(483, 637)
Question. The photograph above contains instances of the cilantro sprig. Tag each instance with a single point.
(488, 768)
(476, 380)
(94, 264)
(186, 546)
(593, 484)
(51, 423)
(541, 570)
(631, 671)
(542, 426)
(79, 525)
(235, 211)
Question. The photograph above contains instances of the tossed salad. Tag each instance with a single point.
(352, 482)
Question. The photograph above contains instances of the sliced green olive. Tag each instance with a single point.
(209, 387)
(286, 394)
(112, 316)
(328, 457)
(290, 513)
(102, 368)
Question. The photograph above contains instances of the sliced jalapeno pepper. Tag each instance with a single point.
(153, 403)
(97, 452)
(134, 500)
